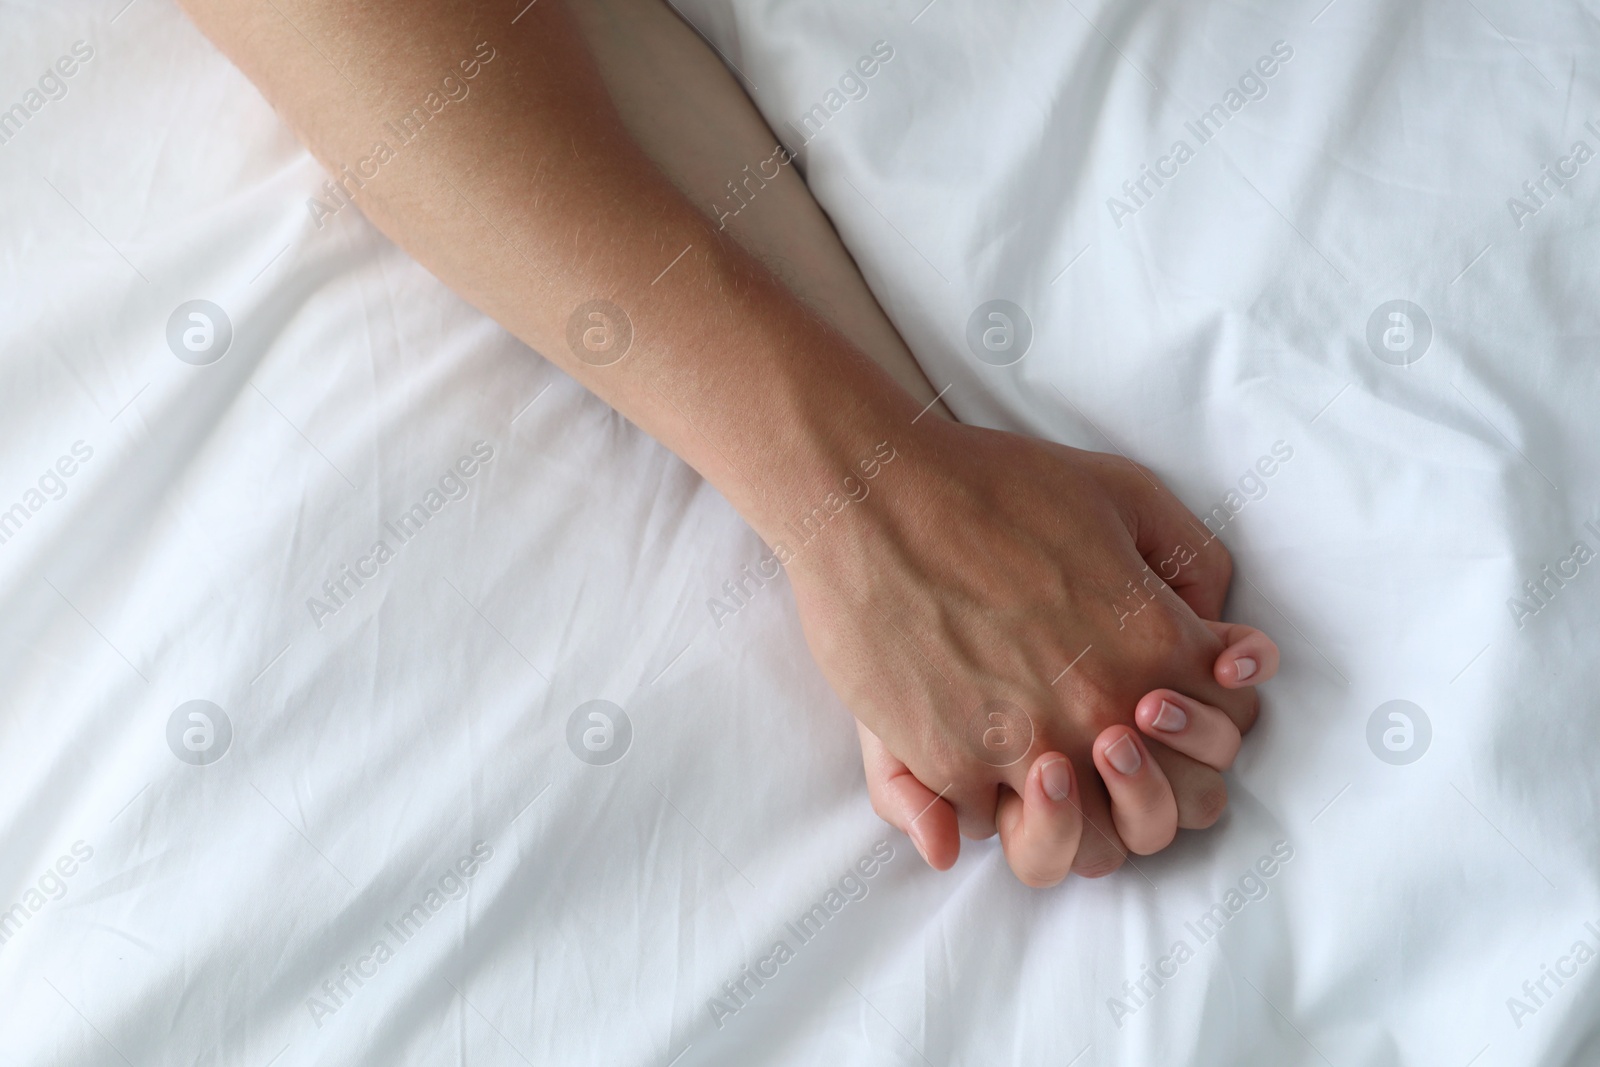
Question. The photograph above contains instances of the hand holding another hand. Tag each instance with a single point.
(1042, 828)
(995, 620)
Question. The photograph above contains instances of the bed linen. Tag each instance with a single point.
(366, 704)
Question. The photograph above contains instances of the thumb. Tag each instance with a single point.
(909, 806)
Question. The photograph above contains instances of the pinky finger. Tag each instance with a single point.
(902, 801)
(1250, 657)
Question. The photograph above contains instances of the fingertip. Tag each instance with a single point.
(1234, 670)
(1143, 808)
(1266, 660)
(1247, 662)
(1041, 827)
(935, 836)
(1119, 752)
(916, 843)
(1052, 780)
(1161, 714)
(1190, 727)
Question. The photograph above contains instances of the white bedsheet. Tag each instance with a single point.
(410, 735)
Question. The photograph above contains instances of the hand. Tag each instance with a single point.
(1040, 829)
(990, 567)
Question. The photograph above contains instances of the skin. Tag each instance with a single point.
(981, 564)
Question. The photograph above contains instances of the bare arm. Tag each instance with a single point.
(995, 561)
(530, 199)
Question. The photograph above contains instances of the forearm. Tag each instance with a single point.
(528, 197)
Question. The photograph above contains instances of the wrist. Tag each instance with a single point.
(818, 443)
(828, 507)
(871, 490)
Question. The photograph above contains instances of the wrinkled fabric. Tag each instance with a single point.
(272, 795)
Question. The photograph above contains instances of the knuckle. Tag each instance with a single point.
(1154, 842)
(1245, 709)
(1218, 557)
(976, 831)
(1037, 877)
(1170, 624)
(945, 770)
(1098, 690)
(1147, 809)
(1099, 866)
(1210, 803)
(1146, 475)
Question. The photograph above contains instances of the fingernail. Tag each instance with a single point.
(1170, 719)
(917, 844)
(1123, 754)
(1244, 667)
(1056, 779)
